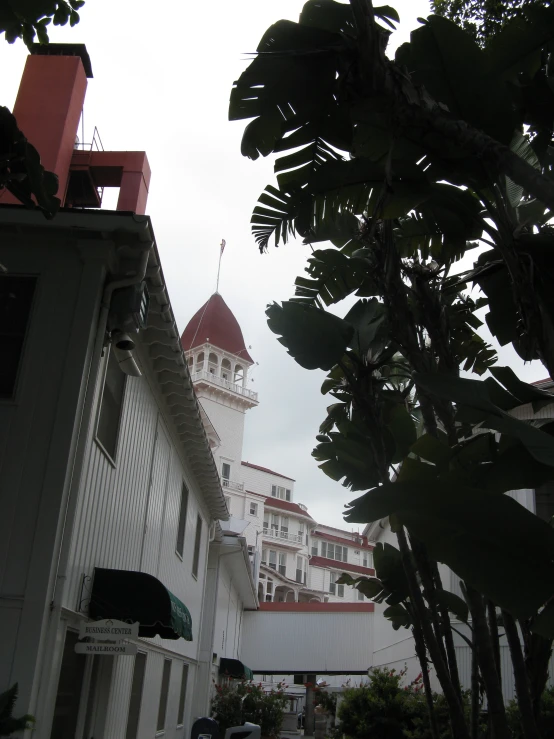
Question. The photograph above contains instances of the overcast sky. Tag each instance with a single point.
(162, 78)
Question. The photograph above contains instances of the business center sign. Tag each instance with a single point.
(108, 635)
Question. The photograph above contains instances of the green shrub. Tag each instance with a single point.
(546, 718)
(234, 704)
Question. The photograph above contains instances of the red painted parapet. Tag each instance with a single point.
(318, 607)
(48, 109)
(128, 170)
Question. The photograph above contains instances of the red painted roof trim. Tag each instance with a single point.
(318, 607)
(350, 542)
(340, 566)
(284, 505)
(265, 469)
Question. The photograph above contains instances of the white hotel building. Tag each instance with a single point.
(296, 559)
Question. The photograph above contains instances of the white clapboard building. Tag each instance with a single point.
(111, 501)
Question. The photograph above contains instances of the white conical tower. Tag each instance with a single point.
(219, 363)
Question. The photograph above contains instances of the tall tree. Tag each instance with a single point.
(483, 19)
(378, 152)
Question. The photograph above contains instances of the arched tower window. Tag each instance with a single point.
(213, 363)
(226, 369)
(239, 374)
(200, 362)
(190, 361)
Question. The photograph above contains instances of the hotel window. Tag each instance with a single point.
(253, 509)
(111, 406)
(264, 557)
(365, 560)
(360, 595)
(266, 521)
(164, 692)
(315, 550)
(273, 559)
(282, 563)
(197, 541)
(136, 696)
(180, 545)
(16, 297)
(285, 526)
(183, 695)
(299, 569)
(334, 551)
(335, 589)
(280, 492)
(225, 472)
(274, 523)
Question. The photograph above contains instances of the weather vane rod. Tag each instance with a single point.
(222, 247)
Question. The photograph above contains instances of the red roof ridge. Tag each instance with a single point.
(336, 565)
(285, 505)
(318, 607)
(266, 469)
(342, 540)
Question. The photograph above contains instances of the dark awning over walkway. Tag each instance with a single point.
(235, 668)
(135, 596)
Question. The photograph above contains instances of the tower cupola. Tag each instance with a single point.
(217, 355)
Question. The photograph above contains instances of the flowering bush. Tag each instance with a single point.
(384, 709)
(233, 704)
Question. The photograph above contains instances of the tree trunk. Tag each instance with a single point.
(493, 627)
(487, 665)
(457, 718)
(421, 653)
(475, 697)
(524, 701)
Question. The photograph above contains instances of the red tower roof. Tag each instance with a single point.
(214, 323)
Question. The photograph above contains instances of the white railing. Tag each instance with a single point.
(221, 382)
(284, 535)
(232, 485)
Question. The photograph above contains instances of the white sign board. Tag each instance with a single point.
(113, 650)
(108, 630)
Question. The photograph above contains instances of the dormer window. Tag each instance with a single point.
(279, 492)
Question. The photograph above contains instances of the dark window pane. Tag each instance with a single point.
(136, 696)
(183, 695)
(110, 409)
(182, 520)
(16, 297)
(66, 709)
(197, 540)
(162, 709)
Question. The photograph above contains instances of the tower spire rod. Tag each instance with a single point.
(222, 247)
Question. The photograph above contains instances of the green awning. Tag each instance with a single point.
(235, 668)
(131, 596)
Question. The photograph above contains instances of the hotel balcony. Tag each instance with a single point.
(232, 485)
(213, 379)
(284, 537)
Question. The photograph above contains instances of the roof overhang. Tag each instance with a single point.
(159, 345)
